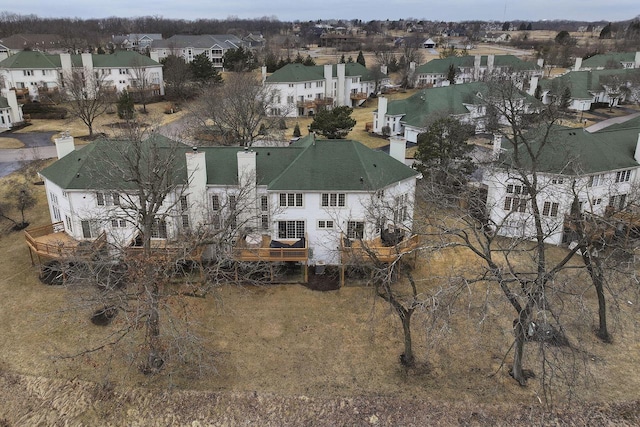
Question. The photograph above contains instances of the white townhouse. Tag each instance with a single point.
(611, 60)
(10, 110)
(135, 41)
(475, 68)
(590, 87)
(35, 74)
(303, 89)
(187, 47)
(306, 202)
(602, 168)
(464, 102)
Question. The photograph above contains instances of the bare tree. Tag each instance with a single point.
(241, 108)
(18, 198)
(143, 87)
(87, 95)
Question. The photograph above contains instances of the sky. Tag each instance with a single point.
(305, 10)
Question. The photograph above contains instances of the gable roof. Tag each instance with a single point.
(40, 60)
(295, 73)
(582, 84)
(604, 59)
(204, 41)
(441, 66)
(574, 151)
(450, 99)
(323, 165)
(39, 41)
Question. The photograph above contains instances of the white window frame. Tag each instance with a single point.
(291, 200)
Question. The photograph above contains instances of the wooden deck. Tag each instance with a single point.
(365, 249)
(262, 252)
(52, 242)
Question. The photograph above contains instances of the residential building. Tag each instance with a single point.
(464, 102)
(138, 42)
(601, 169)
(10, 110)
(611, 60)
(589, 87)
(303, 89)
(265, 197)
(35, 74)
(16, 43)
(187, 47)
(475, 68)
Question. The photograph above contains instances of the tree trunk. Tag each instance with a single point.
(154, 357)
(516, 371)
(407, 358)
(595, 271)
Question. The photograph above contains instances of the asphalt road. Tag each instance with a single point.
(37, 145)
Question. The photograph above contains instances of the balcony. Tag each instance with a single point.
(359, 96)
(166, 250)
(313, 103)
(357, 250)
(263, 248)
(52, 242)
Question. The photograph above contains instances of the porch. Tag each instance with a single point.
(52, 242)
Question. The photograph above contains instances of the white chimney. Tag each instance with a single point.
(328, 80)
(382, 113)
(490, 61)
(533, 84)
(247, 184)
(197, 187)
(16, 110)
(578, 64)
(477, 60)
(497, 145)
(263, 72)
(65, 63)
(636, 155)
(637, 60)
(87, 61)
(540, 62)
(398, 148)
(64, 144)
(154, 55)
(383, 69)
(342, 96)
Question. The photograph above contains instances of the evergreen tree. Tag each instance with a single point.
(203, 71)
(360, 60)
(239, 59)
(298, 59)
(342, 60)
(309, 61)
(296, 131)
(335, 123)
(606, 32)
(125, 106)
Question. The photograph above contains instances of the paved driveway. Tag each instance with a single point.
(37, 145)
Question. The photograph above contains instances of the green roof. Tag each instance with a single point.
(323, 165)
(294, 73)
(574, 151)
(39, 60)
(583, 83)
(441, 66)
(441, 100)
(606, 59)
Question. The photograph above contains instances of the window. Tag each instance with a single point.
(595, 180)
(27, 72)
(290, 84)
(557, 181)
(618, 202)
(290, 229)
(290, 99)
(89, 229)
(324, 224)
(623, 176)
(184, 218)
(184, 205)
(54, 199)
(65, 195)
(355, 229)
(56, 213)
(118, 223)
(264, 208)
(122, 71)
(307, 85)
(215, 202)
(108, 199)
(159, 229)
(68, 223)
(290, 199)
(319, 84)
(596, 201)
(333, 199)
(400, 210)
(276, 112)
(233, 219)
(513, 202)
(550, 209)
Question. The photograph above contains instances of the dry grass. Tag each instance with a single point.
(155, 116)
(10, 143)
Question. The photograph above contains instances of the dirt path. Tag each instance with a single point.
(41, 401)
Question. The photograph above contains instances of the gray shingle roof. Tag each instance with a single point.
(204, 41)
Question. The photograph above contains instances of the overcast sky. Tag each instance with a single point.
(446, 10)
